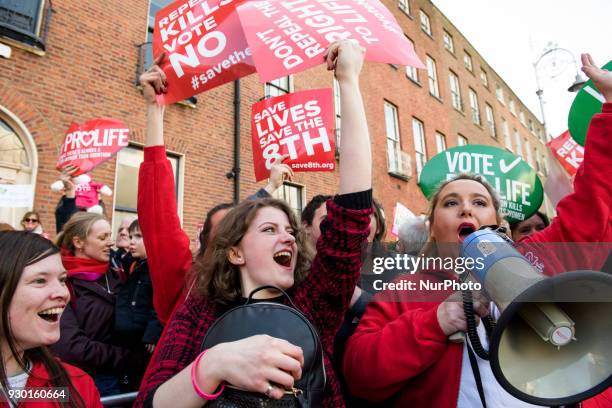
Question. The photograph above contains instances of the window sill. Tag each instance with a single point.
(459, 111)
(403, 177)
(436, 97)
(450, 52)
(427, 34)
(22, 46)
(406, 12)
(416, 82)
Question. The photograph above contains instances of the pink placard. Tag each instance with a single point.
(292, 35)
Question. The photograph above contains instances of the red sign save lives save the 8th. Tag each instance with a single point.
(299, 124)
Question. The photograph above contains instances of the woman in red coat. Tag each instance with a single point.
(33, 295)
(401, 351)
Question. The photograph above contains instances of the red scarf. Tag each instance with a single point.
(83, 268)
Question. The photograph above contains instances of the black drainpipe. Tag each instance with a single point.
(235, 172)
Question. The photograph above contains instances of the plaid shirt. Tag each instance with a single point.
(323, 297)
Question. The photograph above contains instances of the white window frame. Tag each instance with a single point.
(425, 23)
(276, 87)
(440, 142)
(455, 89)
(512, 107)
(393, 137)
(506, 131)
(432, 77)
(461, 140)
(522, 118)
(449, 43)
(490, 114)
(484, 78)
(295, 201)
(467, 61)
(518, 143)
(499, 94)
(474, 107)
(404, 5)
(411, 72)
(420, 148)
(528, 151)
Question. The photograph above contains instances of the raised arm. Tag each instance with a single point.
(326, 293)
(584, 215)
(167, 244)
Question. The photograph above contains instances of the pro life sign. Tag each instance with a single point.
(298, 124)
(587, 103)
(517, 184)
(87, 146)
(204, 45)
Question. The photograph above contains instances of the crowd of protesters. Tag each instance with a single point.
(98, 317)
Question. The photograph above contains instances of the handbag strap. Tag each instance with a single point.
(250, 298)
(476, 371)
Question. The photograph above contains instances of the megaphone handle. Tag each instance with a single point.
(458, 337)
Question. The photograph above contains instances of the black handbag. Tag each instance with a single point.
(280, 321)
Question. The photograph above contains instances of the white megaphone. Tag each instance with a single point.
(552, 343)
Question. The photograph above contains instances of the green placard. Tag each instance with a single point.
(517, 184)
(586, 104)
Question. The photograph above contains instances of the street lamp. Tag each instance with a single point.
(575, 87)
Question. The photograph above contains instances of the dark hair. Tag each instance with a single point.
(216, 277)
(514, 226)
(204, 236)
(313, 205)
(19, 249)
(381, 226)
(134, 226)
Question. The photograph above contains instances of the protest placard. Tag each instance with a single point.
(16, 195)
(290, 36)
(517, 184)
(92, 143)
(400, 214)
(204, 45)
(567, 151)
(299, 124)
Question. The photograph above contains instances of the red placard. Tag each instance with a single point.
(292, 35)
(569, 153)
(204, 45)
(299, 124)
(92, 143)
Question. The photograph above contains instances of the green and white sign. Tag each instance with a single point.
(517, 184)
(586, 104)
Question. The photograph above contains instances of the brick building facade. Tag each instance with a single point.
(85, 61)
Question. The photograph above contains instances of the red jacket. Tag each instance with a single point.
(399, 349)
(81, 381)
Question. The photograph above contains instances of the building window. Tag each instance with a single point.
(537, 160)
(506, 130)
(528, 150)
(337, 111)
(491, 120)
(278, 87)
(544, 164)
(474, 107)
(512, 107)
(522, 118)
(418, 131)
(517, 142)
(17, 163)
(404, 5)
(126, 185)
(499, 93)
(440, 142)
(541, 135)
(292, 194)
(455, 91)
(448, 42)
(25, 21)
(411, 72)
(433, 77)
(461, 140)
(146, 49)
(425, 25)
(467, 61)
(531, 128)
(393, 137)
(484, 78)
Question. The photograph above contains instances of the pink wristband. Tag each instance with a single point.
(194, 383)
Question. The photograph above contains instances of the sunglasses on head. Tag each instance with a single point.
(30, 220)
